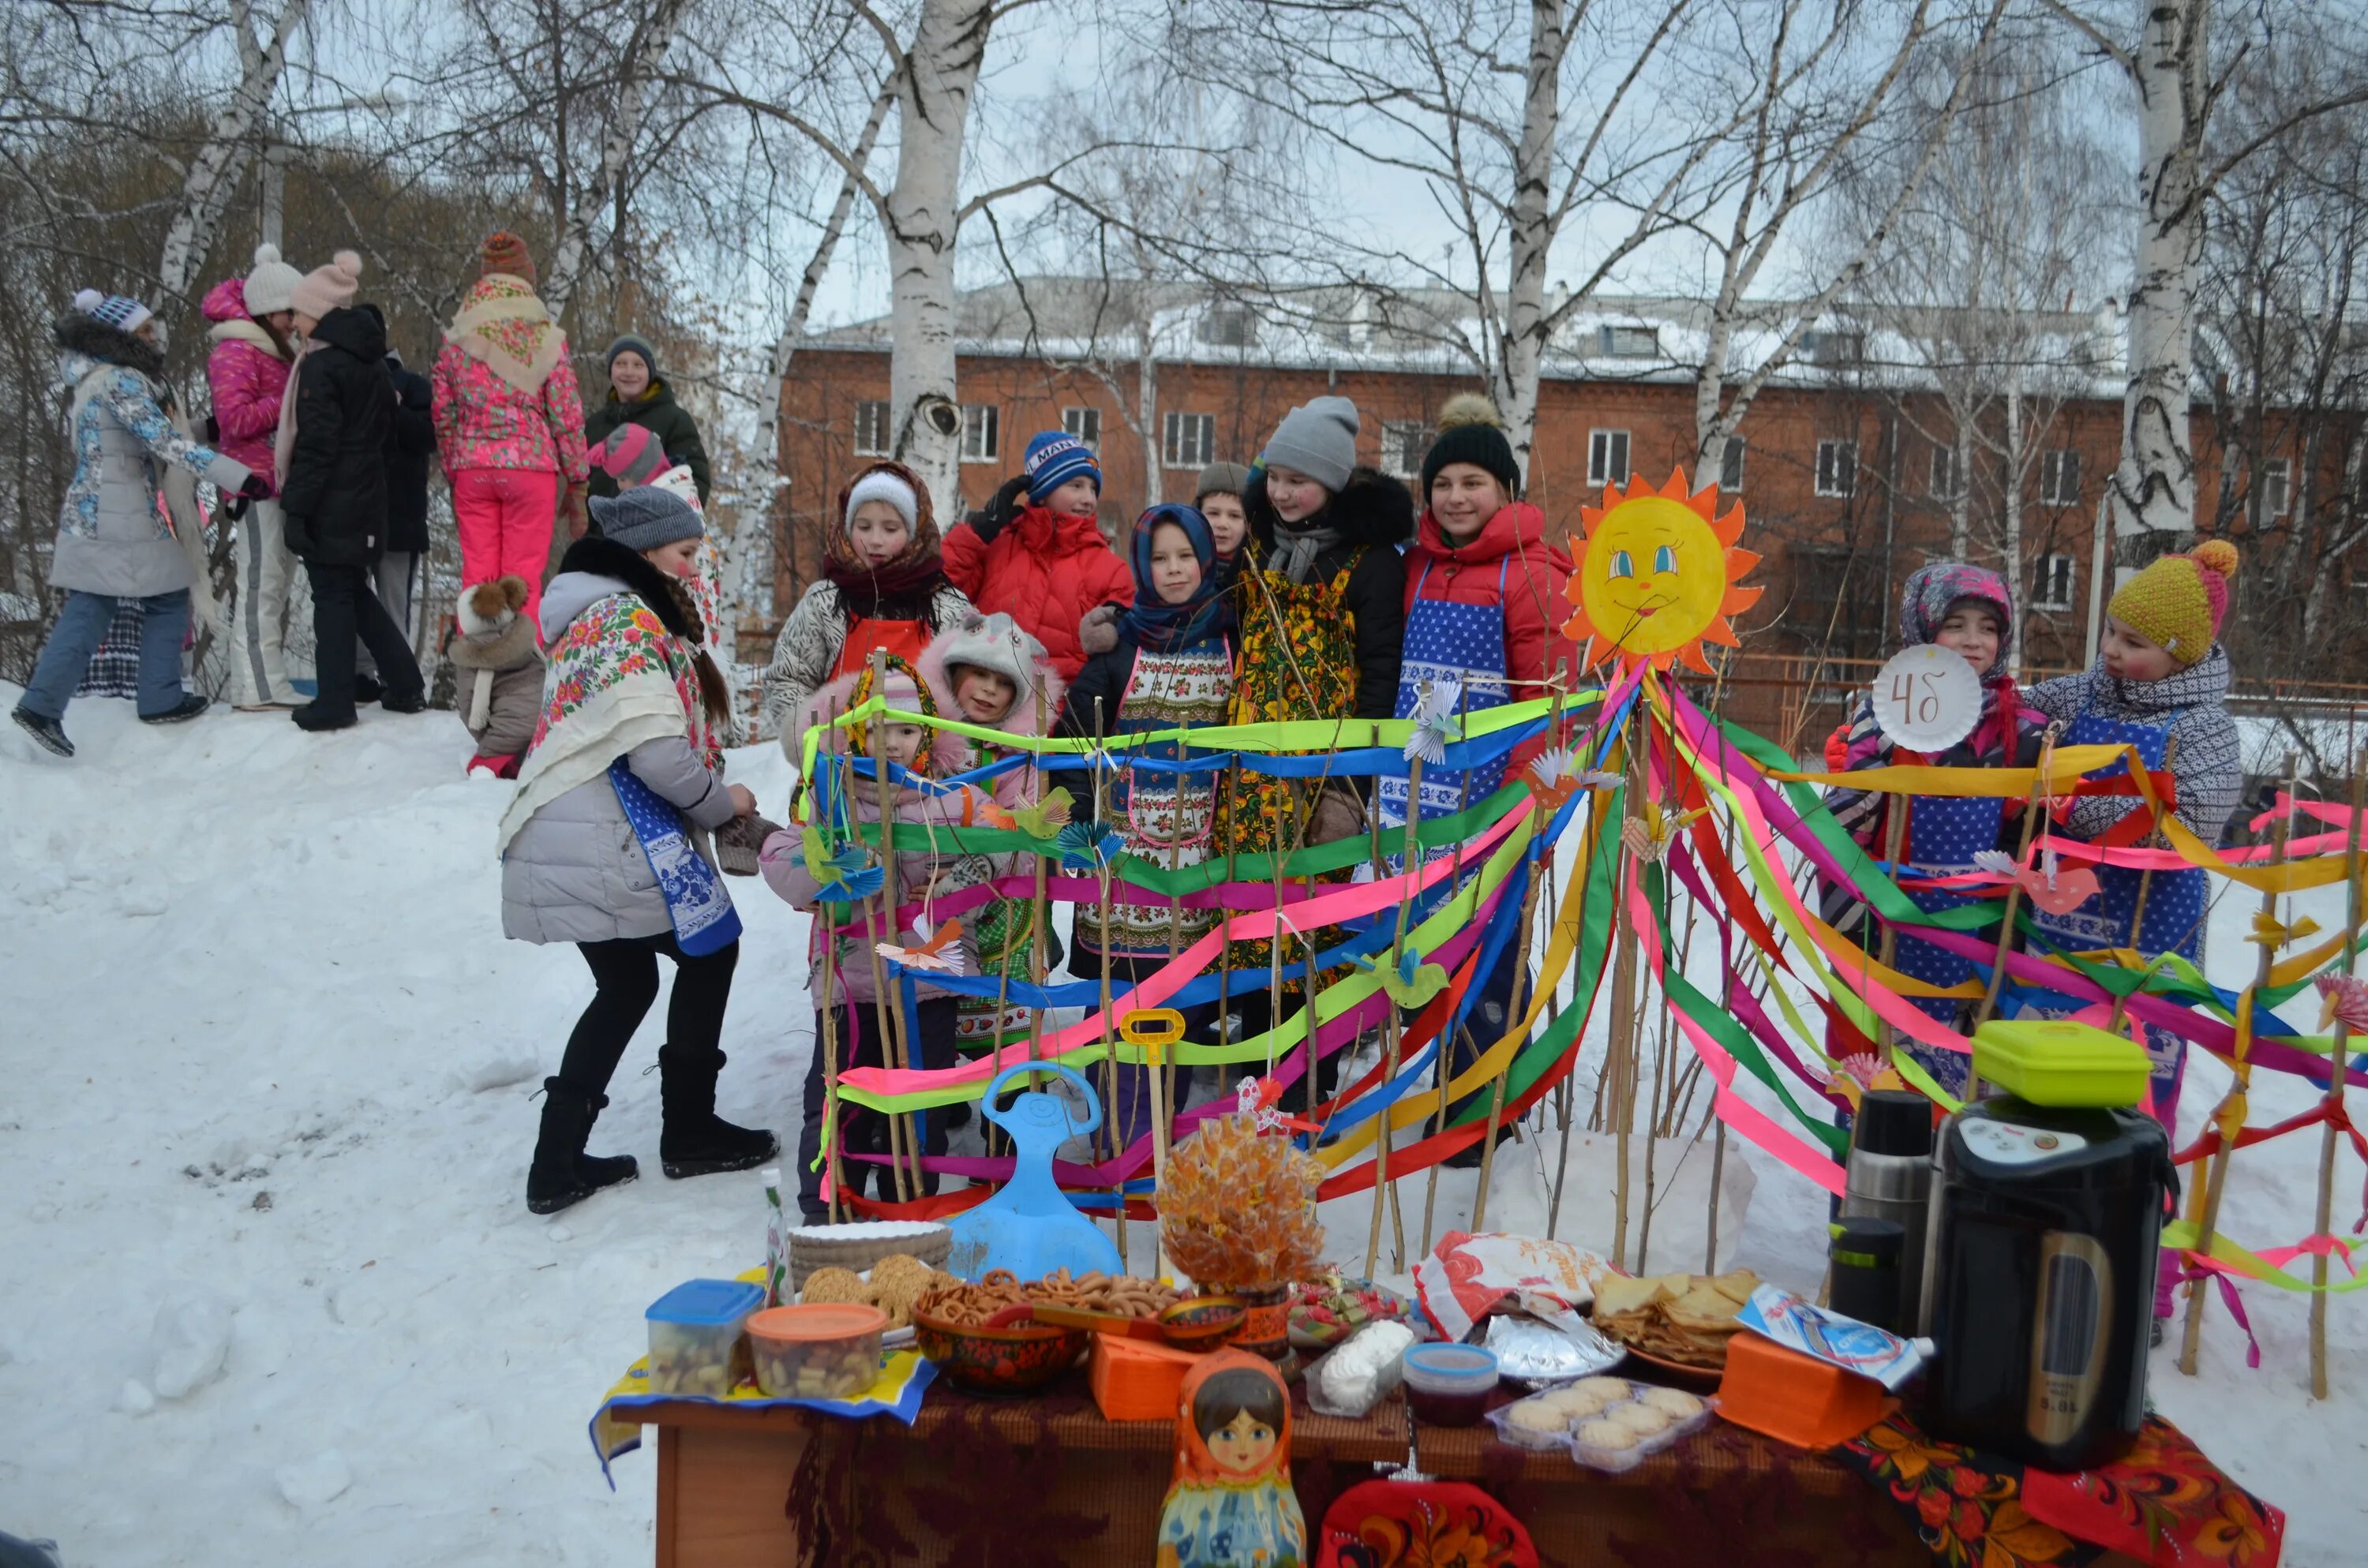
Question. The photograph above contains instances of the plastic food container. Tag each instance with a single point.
(2054, 1062)
(1449, 1385)
(1793, 1398)
(1604, 1422)
(696, 1346)
(826, 1350)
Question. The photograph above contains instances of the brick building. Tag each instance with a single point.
(1848, 471)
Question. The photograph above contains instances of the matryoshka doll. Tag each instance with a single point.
(1230, 1504)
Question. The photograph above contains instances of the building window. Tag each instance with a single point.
(1228, 326)
(2051, 583)
(1836, 467)
(1403, 441)
(1730, 464)
(1834, 347)
(871, 430)
(2274, 488)
(1086, 425)
(981, 433)
(2059, 478)
(1607, 456)
(1628, 342)
(1191, 440)
(1947, 482)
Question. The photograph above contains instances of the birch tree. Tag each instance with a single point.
(2177, 58)
(229, 142)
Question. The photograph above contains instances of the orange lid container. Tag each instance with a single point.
(817, 1321)
(1793, 1398)
(1133, 1379)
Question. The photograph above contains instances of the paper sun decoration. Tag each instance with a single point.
(1658, 575)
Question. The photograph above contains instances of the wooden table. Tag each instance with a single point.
(978, 1483)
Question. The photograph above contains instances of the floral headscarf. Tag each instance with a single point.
(920, 558)
(1932, 589)
(505, 328)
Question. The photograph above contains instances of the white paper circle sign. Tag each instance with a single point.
(1927, 699)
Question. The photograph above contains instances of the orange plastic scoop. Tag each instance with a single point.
(1793, 1398)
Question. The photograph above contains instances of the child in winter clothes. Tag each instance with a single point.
(855, 1022)
(1173, 668)
(1484, 607)
(630, 456)
(884, 585)
(1969, 610)
(509, 424)
(1045, 563)
(996, 675)
(332, 454)
(632, 684)
(246, 370)
(501, 688)
(639, 396)
(2160, 684)
(1218, 498)
(112, 540)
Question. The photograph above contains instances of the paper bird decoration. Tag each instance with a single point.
(1084, 847)
(2047, 885)
(1557, 775)
(938, 953)
(843, 873)
(2272, 933)
(1408, 983)
(1260, 1099)
(1431, 715)
(2343, 1000)
(1648, 836)
(1040, 819)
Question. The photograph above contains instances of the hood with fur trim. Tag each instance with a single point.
(507, 647)
(1371, 510)
(491, 605)
(1000, 644)
(93, 339)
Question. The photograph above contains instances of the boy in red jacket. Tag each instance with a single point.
(1046, 563)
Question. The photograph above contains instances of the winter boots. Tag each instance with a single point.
(562, 1174)
(48, 734)
(694, 1141)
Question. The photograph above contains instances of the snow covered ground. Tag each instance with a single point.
(267, 1065)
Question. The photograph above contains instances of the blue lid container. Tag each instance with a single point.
(707, 1303)
(1450, 1368)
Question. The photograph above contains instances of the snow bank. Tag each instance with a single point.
(270, 1068)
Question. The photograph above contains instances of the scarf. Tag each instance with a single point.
(1295, 550)
(505, 328)
(1161, 627)
(619, 676)
(906, 577)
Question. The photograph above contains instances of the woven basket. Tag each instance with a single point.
(859, 1246)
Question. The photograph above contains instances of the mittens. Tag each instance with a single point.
(1099, 631)
(1337, 815)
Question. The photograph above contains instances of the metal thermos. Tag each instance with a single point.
(1890, 1177)
(1865, 1257)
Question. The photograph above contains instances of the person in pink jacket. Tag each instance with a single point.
(247, 369)
(509, 424)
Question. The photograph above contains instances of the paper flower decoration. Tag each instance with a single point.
(2343, 1000)
(844, 876)
(1083, 848)
(1657, 574)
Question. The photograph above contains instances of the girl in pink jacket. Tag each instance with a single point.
(247, 369)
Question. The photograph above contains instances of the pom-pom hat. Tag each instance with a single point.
(271, 286)
(1471, 431)
(329, 288)
(2178, 602)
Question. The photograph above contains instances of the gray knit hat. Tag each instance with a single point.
(1319, 439)
(645, 517)
(1220, 479)
(633, 343)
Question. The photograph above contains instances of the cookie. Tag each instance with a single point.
(1608, 1388)
(1577, 1402)
(1608, 1435)
(1534, 1423)
(1679, 1405)
(1640, 1418)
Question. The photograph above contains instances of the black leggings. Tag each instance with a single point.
(626, 972)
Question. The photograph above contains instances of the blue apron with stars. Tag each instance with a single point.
(2174, 911)
(1944, 833)
(1446, 642)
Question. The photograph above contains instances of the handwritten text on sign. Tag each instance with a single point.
(1926, 698)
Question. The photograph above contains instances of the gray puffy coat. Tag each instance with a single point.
(576, 872)
(113, 538)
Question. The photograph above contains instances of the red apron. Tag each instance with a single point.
(903, 639)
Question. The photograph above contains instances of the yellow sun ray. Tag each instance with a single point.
(1658, 573)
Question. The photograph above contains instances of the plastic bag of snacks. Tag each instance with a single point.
(1605, 1423)
(1467, 1275)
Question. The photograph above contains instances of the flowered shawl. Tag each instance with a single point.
(618, 679)
(504, 327)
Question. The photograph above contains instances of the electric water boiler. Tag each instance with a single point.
(2040, 1288)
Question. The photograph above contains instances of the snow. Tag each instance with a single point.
(271, 1080)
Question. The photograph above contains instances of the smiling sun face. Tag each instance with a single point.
(1658, 575)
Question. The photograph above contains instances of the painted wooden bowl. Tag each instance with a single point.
(998, 1361)
(1202, 1322)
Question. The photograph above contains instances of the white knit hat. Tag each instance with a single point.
(272, 285)
(882, 486)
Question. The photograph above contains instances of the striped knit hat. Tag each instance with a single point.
(2178, 602)
(117, 310)
(630, 455)
(1055, 458)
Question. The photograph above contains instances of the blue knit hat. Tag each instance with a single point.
(645, 517)
(1055, 458)
(111, 309)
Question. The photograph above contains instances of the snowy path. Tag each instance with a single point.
(266, 1049)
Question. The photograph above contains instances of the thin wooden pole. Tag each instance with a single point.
(2228, 1117)
(1619, 1062)
(829, 1011)
(1894, 837)
(2336, 1068)
(2145, 884)
(890, 903)
(1519, 953)
(1109, 1050)
(2032, 807)
(1383, 1135)
(876, 921)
